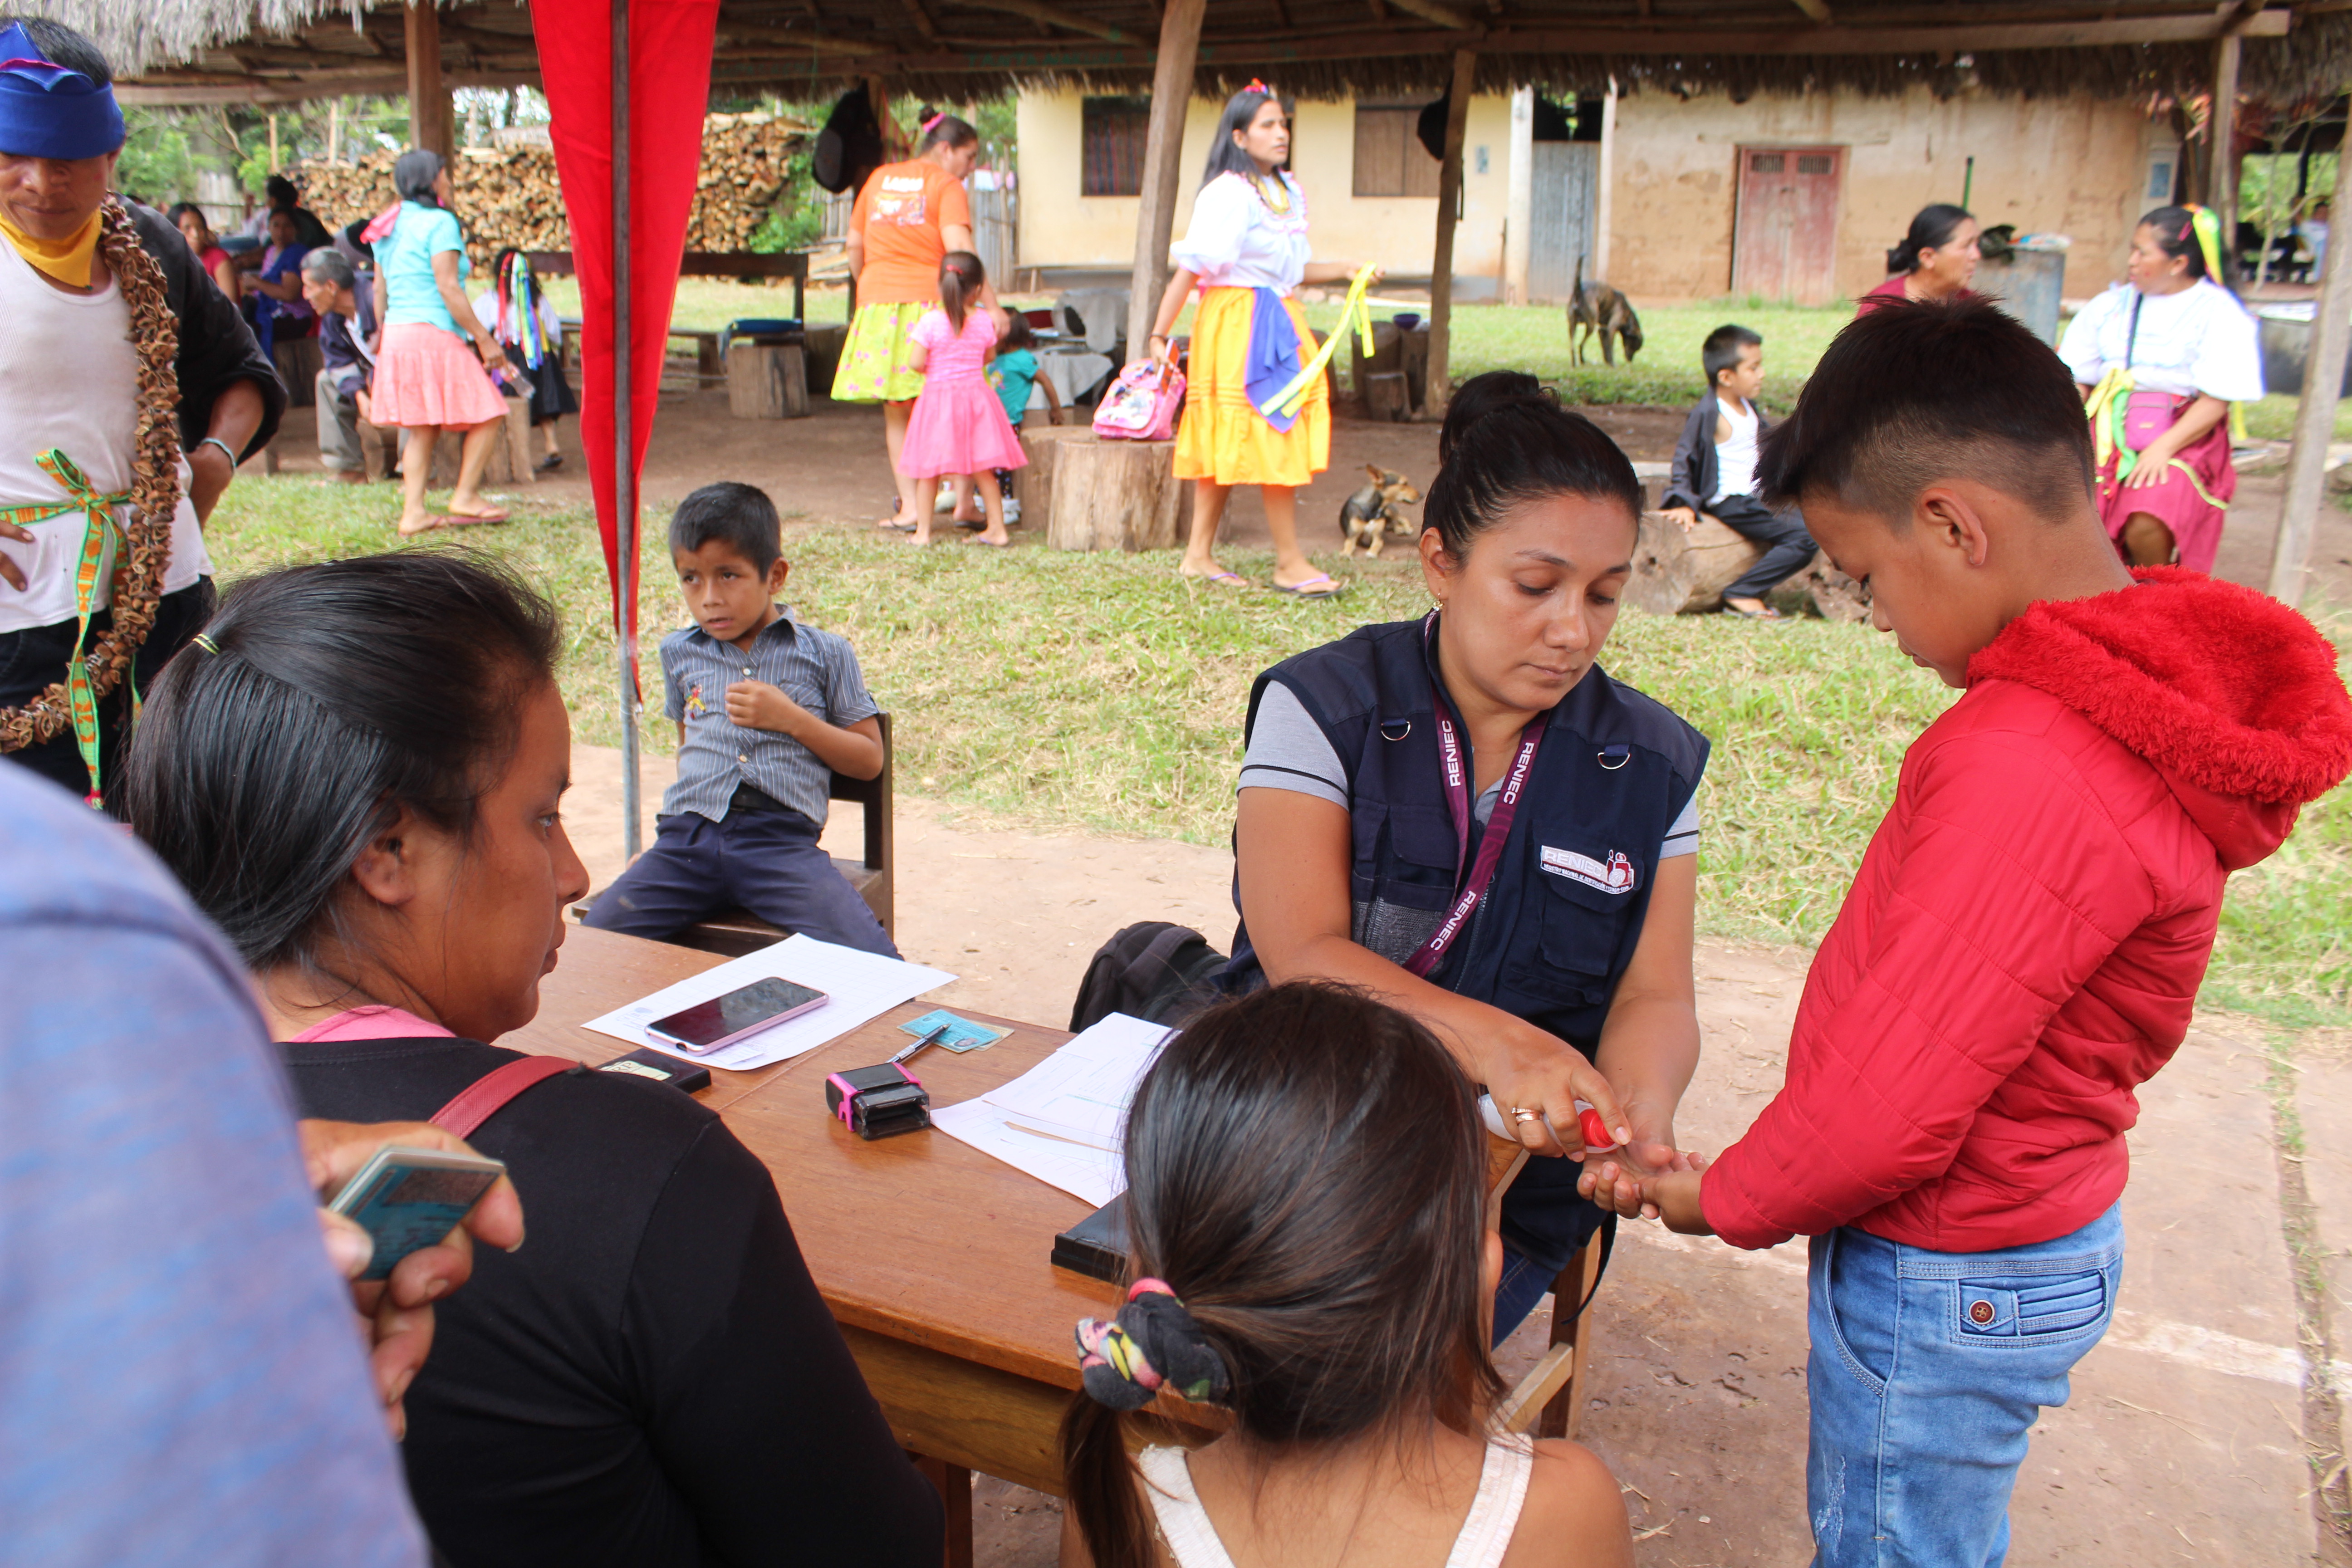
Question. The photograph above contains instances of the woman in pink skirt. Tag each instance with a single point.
(426, 379)
(958, 425)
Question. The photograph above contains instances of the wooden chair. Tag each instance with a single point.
(1546, 1403)
(731, 933)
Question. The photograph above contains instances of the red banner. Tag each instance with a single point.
(669, 85)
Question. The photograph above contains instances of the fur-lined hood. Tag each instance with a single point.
(2230, 696)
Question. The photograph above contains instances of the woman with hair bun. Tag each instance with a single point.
(1466, 817)
(909, 215)
(2160, 358)
(1934, 259)
(1246, 251)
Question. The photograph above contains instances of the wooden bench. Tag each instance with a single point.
(790, 264)
(731, 933)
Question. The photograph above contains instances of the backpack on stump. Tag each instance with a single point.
(1153, 971)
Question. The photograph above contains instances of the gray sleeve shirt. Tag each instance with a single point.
(818, 669)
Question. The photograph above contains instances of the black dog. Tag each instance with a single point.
(1599, 310)
(1369, 516)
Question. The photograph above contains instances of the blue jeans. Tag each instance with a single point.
(767, 862)
(1928, 1370)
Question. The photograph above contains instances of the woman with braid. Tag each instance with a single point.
(109, 331)
(1344, 1329)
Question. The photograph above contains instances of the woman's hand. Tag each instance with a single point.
(2155, 466)
(1537, 1077)
(1159, 351)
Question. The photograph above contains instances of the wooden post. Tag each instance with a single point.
(2221, 188)
(2314, 420)
(1520, 209)
(1163, 151)
(429, 116)
(1441, 265)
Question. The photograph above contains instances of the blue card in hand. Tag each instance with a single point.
(962, 1034)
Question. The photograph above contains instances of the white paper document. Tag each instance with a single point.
(1062, 1120)
(860, 987)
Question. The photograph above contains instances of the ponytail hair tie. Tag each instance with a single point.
(934, 120)
(1152, 1344)
(1259, 87)
(2208, 226)
(206, 643)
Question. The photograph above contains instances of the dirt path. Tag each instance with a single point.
(2187, 1434)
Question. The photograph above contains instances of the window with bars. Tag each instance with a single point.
(1389, 159)
(1112, 134)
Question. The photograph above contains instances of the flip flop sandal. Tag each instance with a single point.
(971, 525)
(467, 519)
(1321, 586)
(1767, 614)
(991, 544)
(1221, 579)
(888, 526)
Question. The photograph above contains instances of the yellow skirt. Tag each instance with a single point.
(1222, 436)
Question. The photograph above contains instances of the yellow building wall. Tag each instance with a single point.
(1058, 227)
(2073, 165)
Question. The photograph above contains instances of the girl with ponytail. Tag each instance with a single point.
(958, 425)
(1306, 1203)
(2162, 359)
(1934, 259)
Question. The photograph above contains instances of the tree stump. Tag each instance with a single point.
(1837, 596)
(767, 381)
(1386, 395)
(1674, 573)
(824, 345)
(1415, 365)
(1042, 445)
(1110, 495)
(510, 463)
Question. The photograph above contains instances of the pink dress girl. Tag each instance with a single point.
(958, 425)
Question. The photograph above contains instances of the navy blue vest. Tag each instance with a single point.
(1554, 933)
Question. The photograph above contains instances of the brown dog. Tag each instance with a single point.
(1369, 516)
(1598, 309)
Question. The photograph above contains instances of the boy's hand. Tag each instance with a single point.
(756, 705)
(1674, 1197)
(1620, 1178)
(1682, 517)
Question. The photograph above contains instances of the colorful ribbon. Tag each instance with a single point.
(103, 531)
(1293, 397)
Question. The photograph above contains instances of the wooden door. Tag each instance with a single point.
(1560, 227)
(1784, 233)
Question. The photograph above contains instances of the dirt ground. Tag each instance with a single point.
(831, 467)
(2186, 1438)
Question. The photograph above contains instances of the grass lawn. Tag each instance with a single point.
(1099, 691)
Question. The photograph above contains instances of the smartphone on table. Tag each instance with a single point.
(738, 1014)
(411, 1198)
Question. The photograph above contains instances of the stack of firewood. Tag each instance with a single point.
(511, 196)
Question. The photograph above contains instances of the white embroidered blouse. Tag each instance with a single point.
(1237, 241)
(2199, 340)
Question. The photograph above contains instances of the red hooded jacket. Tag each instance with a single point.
(2023, 946)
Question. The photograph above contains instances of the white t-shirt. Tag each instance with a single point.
(70, 379)
(1735, 460)
(2199, 339)
(1236, 241)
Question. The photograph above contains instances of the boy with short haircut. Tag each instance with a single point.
(768, 709)
(1713, 472)
(2023, 943)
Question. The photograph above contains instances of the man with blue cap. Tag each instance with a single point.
(130, 390)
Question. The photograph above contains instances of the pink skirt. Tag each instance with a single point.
(958, 427)
(426, 375)
(2193, 500)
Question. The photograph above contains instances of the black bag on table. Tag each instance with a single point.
(1153, 971)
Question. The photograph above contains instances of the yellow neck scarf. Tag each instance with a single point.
(67, 260)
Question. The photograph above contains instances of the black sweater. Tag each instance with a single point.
(216, 347)
(1691, 481)
(652, 1380)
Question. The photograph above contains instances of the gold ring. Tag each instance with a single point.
(1524, 1114)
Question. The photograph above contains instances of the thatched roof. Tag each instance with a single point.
(955, 50)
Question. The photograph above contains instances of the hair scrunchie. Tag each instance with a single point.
(2206, 223)
(1152, 1344)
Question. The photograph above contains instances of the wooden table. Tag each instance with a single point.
(932, 1255)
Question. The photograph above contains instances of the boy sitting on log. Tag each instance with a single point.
(2023, 943)
(1715, 471)
(768, 709)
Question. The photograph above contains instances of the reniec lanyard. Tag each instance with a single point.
(1458, 779)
